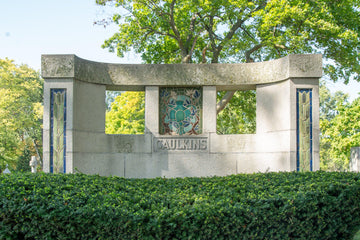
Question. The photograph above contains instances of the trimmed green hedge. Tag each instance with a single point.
(317, 205)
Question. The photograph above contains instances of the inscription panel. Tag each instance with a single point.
(165, 144)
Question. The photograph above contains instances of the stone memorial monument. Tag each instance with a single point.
(33, 164)
(180, 136)
(355, 159)
(6, 171)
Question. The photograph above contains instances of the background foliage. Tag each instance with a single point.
(340, 130)
(239, 116)
(21, 96)
(201, 31)
(127, 114)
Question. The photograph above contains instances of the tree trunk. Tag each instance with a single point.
(224, 101)
(229, 94)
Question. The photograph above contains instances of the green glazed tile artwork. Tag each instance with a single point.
(180, 111)
(304, 131)
(58, 131)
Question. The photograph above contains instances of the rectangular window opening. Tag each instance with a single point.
(239, 115)
(125, 112)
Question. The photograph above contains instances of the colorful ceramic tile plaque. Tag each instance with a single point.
(180, 111)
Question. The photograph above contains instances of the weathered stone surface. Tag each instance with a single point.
(224, 76)
(91, 151)
(181, 144)
(152, 109)
(209, 108)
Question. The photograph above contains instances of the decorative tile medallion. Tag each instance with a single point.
(180, 111)
(304, 129)
(58, 131)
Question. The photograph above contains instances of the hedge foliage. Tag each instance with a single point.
(317, 205)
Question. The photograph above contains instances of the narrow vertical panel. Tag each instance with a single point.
(304, 130)
(58, 131)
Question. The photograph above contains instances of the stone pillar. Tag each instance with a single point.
(305, 96)
(209, 109)
(33, 164)
(6, 171)
(89, 128)
(355, 159)
(63, 141)
(273, 125)
(277, 128)
(152, 109)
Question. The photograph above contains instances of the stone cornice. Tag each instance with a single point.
(224, 76)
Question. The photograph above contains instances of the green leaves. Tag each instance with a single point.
(127, 114)
(311, 205)
(239, 116)
(21, 90)
(173, 31)
(339, 134)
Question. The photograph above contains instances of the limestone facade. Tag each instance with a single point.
(87, 149)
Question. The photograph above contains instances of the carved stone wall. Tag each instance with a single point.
(180, 118)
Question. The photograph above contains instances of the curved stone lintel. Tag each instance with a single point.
(224, 76)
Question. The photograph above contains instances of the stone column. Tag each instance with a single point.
(209, 109)
(305, 90)
(33, 164)
(52, 87)
(355, 159)
(273, 125)
(89, 128)
(152, 109)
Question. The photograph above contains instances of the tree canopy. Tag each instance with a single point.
(340, 129)
(201, 31)
(219, 31)
(239, 116)
(127, 114)
(21, 96)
